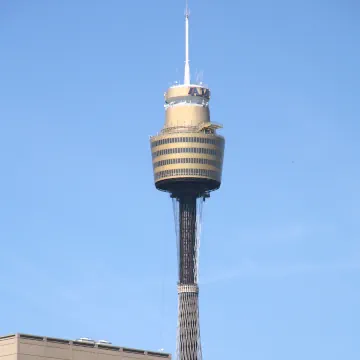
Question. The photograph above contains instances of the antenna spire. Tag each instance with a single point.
(187, 65)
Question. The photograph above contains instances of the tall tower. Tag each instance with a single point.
(187, 157)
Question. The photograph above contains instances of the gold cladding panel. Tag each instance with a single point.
(186, 115)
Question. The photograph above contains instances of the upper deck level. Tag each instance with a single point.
(193, 94)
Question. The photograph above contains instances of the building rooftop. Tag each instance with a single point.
(86, 343)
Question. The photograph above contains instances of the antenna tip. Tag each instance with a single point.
(187, 10)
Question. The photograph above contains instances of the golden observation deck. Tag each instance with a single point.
(187, 149)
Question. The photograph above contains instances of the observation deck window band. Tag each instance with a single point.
(205, 151)
(200, 140)
(201, 161)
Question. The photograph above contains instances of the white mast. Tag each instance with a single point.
(187, 65)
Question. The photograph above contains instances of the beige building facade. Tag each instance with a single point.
(31, 347)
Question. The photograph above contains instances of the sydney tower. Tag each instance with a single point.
(187, 158)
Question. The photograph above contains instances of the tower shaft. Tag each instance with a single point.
(188, 345)
(187, 243)
(188, 331)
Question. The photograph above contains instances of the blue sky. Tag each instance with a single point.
(88, 244)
